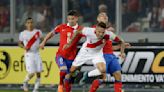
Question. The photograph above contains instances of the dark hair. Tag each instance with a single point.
(29, 18)
(73, 13)
(102, 24)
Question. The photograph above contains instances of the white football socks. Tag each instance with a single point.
(94, 73)
(37, 84)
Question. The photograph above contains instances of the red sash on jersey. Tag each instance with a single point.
(94, 45)
(32, 40)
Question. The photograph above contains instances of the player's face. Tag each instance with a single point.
(72, 20)
(102, 17)
(100, 32)
(29, 24)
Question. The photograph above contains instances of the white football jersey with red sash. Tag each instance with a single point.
(92, 43)
(31, 39)
(91, 49)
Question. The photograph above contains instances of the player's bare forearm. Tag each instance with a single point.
(73, 38)
(122, 44)
(48, 36)
(122, 48)
(20, 44)
(116, 47)
(41, 39)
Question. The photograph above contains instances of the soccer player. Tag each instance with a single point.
(64, 58)
(29, 40)
(112, 65)
(92, 49)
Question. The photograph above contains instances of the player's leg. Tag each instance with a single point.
(37, 82)
(118, 82)
(63, 71)
(115, 70)
(79, 60)
(67, 80)
(87, 74)
(95, 85)
(25, 82)
(39, 68)
(99, 62)
(29, 62)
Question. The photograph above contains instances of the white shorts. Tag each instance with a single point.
(84, 56)
(33, 62)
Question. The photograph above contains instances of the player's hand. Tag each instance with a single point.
(41, 46)
(127, 45)
(122, 55)
(66, 46)
(26, 48)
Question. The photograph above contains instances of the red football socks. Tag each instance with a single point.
(117, 86)
(67, 85)
(62, 76)
(95, 85)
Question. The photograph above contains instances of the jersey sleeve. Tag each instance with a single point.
(57, 29)
(86, 31)
(113, 36)
(21, 36)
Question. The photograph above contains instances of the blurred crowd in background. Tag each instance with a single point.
(137, 15)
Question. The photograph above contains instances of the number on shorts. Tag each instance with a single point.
(61, 60)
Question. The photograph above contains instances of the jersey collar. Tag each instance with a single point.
(75, 27)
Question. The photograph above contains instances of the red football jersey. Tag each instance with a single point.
(107, 49)
(66, 33)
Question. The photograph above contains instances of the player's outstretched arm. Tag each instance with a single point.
(48, 36)
(79, 31)
(116, 38)
(122, 49)
(118, 46)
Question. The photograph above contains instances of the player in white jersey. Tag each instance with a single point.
(29, 39)
(93, 46)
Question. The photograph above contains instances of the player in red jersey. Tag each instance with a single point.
(64, 58)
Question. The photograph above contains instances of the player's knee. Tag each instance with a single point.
(72, 69)
(117, 75)
(63, 68)
(101, 66)
(67, 76)
(38, 75)
(31, 75)
(102, 70)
